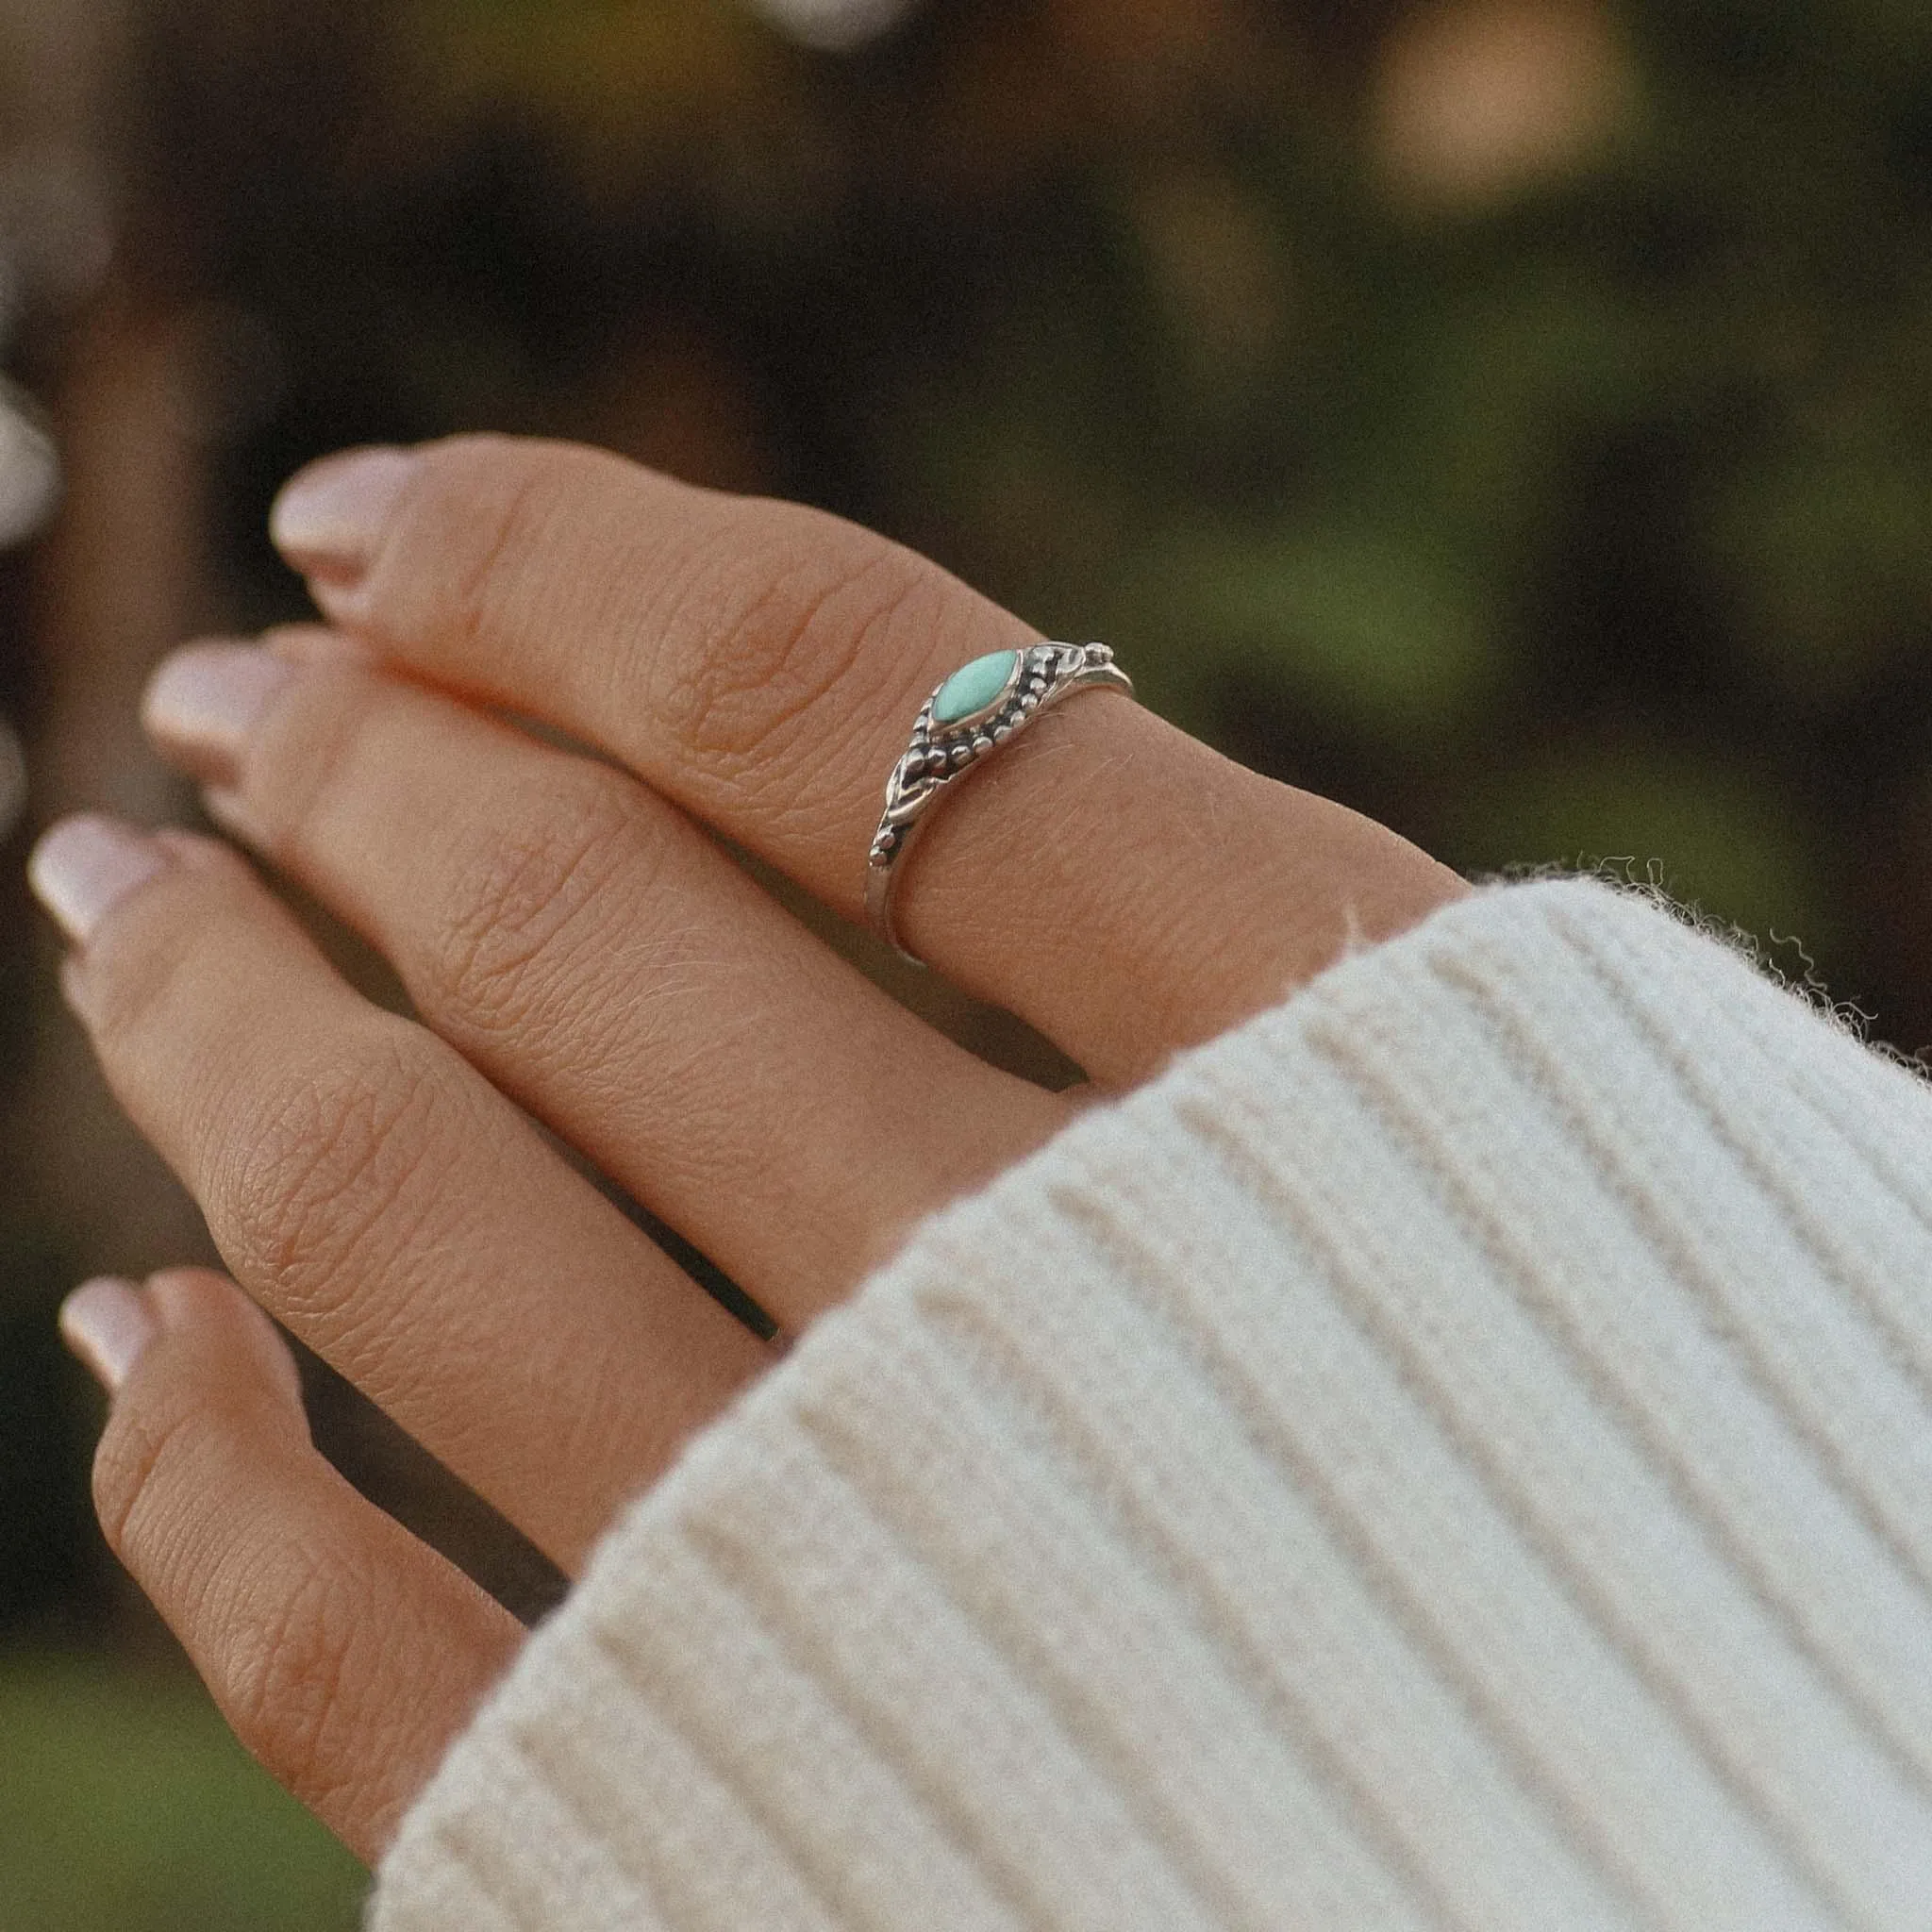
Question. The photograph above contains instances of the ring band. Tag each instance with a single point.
(972, 714)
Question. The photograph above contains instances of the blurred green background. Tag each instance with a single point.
(1509, 416)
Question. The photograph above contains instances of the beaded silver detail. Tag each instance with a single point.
(940, 755)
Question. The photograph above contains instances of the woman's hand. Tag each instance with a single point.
(578, 947)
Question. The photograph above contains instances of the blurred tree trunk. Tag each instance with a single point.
(120, 576)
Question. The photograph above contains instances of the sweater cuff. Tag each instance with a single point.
(1452, 1452)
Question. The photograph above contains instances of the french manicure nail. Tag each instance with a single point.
(203, 705)
(107, 1324)
(84, 866)
(330, 517)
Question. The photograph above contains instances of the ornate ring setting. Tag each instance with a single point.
(981, 707)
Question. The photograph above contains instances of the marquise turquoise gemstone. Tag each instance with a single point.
(973, 687)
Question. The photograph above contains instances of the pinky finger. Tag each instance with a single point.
(346, 1653)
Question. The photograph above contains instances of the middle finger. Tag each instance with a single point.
(584, 944)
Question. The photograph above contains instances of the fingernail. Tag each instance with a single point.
(84, 866)
(330, 517)
(202, 704)
(107, 1324)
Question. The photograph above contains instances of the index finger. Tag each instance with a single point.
(1113, 881)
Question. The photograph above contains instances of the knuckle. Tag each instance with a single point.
(521, 891)
(320, 1178)
(775, 636)
(130, 981)
(481, 526)
(136, 1469)
(293, 1680)
(305, 758)
(147, 956)
(741, 631)
(280, 1630)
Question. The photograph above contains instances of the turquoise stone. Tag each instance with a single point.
(973, 687)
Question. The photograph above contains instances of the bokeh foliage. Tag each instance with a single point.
(126, 1802)
(1583, 515)
(1583, 519)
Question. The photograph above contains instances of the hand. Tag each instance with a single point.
(578, 946)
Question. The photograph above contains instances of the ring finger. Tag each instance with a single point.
(370, 1188)
(1110, 879)
(583, 943)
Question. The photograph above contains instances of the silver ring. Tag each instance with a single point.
(981, 707)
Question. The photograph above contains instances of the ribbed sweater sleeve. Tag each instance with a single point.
(1453, 1453)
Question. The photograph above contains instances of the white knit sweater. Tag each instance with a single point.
(1456, 1452)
